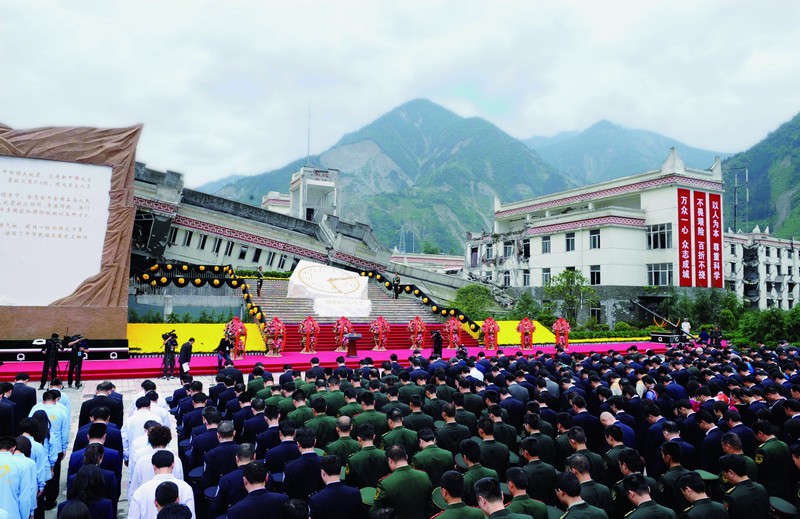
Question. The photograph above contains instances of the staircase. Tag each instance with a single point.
(398, 312)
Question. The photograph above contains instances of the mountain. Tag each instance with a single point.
(422, 168)
(773, 166)
(605, 151)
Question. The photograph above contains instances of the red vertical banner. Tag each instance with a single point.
(685, 237)
(700, 240)
(715, 238)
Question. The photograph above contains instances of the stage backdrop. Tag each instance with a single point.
(66, 217)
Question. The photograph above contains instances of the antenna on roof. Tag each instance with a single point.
(308, 142)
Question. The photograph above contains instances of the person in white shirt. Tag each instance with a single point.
(159, 410)
(159, 438)
(134, 426)
(147, 386)
(143, 500)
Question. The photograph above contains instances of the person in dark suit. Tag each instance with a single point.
(7, 419)
(221, 459)
(110, 459)
(94, 454)
(113, 434)
(259, 501)
(279, 456)
(203, 442)
(185, 356)
(336, 500)
(315, 369)
(194, 417)
(231, 487)
(181, 392)
(302, 476)
(255, 425)
(23, 395)
(102, 397)
(234, 373)
(711, 446)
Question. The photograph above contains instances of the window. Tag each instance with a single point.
(187, 239)
(659, 236)
(506, 279)
(733, 249)
(659, 274)
(571, 269)
(769, 268)
(596, 313)
(489, 251)
(473, 257)
(545, 244)
(594, 275)
(766, 251)
(229, 248)
(778, 269)
(282, 262)
(594, 239)
(526, 249)
(508, 249)
(201, 243)
(257, 256)
(731, 285)
(545, 277)
(243, 252)
(526, 278)
(217, 245)
(270, 258)
(570, 241)
(173, 236)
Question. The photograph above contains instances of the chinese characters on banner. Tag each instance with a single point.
(714, 215)
(685, 237)
(700, 240)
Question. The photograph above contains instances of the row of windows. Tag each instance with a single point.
(216, 246)
(658, 274)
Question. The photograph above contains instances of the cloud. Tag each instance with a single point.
(225, 88)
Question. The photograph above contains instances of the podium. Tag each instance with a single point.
(351, 343)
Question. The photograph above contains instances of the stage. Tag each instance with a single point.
(206, 364)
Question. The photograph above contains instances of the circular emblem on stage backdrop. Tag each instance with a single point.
(331, 280)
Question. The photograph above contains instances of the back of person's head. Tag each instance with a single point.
(632, 459)
(331, 465)
(93, 454)
(366, 431)
(31, 426)
(453, 482)
(305, 437)
(576, 434)
(88, 484)
(426, 434)
(199, 398)
(673, 450)
(74, 509)
(568, 483)
(489, 489)
(167, 493)
(142, 402)
(635, 483)
(24, 445)
(579, 463)
(159, 436)
(319, 405)
(97, 430)
(287, 429)
(162, 459)
(246, 452)
(396, 453)
(519, 477)
(212, 415)
(148, 385)
(692, 480)
(470, 449)
(255, 472)
(734, 463)
(101, 412)
(174, 511)
(295, 509)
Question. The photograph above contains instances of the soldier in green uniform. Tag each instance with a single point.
(540, 474)
(670, 492)
(521, 502)
(443, 391)
(417, 419)
(324, 426)
(629, 463)
(701, 506)
(344, 446)
(452, 489)
(568, 491)
(431, 459)
(302, 413)
(613, 435)
(449, 436)
(399, 435)
(746, 499)
(334, 396)
(592, 492)
(472, 401)
(773, 458)
(406, 490)
(490, 500)
(351, 407)
(637, 491)
(367, 466)
(562, 447)
(493, 453)
(597, 464)
(370, 415)
(532, 426)
(464, 417)
(471, 452)
(394, 403)
(409, 388)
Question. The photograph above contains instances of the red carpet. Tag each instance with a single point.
(150, 367)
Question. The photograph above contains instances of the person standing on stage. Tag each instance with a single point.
(185, 356)
(260, 281)
(78, 348)
(396, 284)
(170, 345)
(50, 352)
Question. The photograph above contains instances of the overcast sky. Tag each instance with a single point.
(224, 87)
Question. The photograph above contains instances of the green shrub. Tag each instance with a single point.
(622, 326)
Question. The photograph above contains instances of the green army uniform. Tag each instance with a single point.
(547, 446)
(434, 461)
(562, 451)
(597, 464)
(445, 392)
(335, 401)
(450, 435)
(503, 415)
(433, 408)
(286, 406)
(747, 500)
(612, 464)
(651, 510)
(389, 380)
(547, 428)
(371, 416)
(406, 490)
(584, 510)
(350, 409)
(725, 485)
(417, 421)
(396, 404)
(467, 419)
(505, 513)
(275, 399)
(671, 495)
(541, 481)
(507, 435)
(705, 509)
(523, 504)
(774, 460)
(380, 400)
(474, 403)
(459, 510)
(255, 385)
(300, 415)
(494, 455)
(366, 467)
(309, 388)
(264, 394)
(621, 505)
(473, 474)
(596, 494)
(401, 436)
(405, 392)
(343, 448)
(324, 428)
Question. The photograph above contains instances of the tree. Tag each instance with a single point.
(429, 248)
(572, 289)
(474, 301)
(525, 307)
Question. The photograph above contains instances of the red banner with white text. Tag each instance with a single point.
(684, 237)
(715, 238)
(700, 240)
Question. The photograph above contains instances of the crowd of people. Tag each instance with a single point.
(695, 432)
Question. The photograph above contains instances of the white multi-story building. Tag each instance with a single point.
(661, 228)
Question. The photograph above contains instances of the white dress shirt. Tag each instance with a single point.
(142, 503)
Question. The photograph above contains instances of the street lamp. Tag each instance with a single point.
(736, 195)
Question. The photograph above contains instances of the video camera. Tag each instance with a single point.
(169, 335)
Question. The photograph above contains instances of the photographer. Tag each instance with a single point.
(170, 345)
(50, 352)
(224, 351)
(78, 348)
(437, 342)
